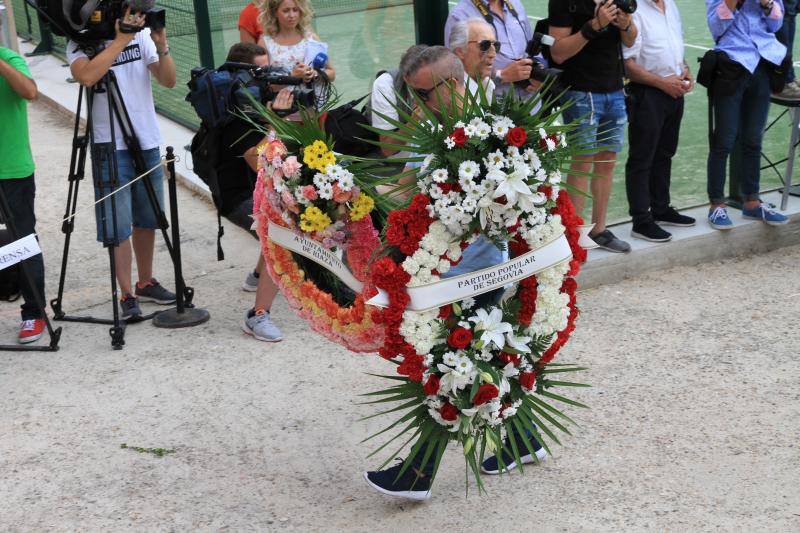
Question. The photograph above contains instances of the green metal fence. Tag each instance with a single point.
(376, 33)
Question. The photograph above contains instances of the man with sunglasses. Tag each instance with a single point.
(436, 77)
(472, 40)
(513, 30)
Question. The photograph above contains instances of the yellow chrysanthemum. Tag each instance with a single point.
(313, 219)
(362, 207)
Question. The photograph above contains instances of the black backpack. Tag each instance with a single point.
(406, 101)
(346, 125)
(9, 277)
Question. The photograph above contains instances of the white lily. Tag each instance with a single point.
(512, 185)
(492, 326)
(518, 343)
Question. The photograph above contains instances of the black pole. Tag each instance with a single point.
(181, 316)
(429, 19)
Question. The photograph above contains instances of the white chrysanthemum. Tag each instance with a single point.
(470, 130)
(450, 359)
(554, 177)
(469, 204)
(551, 144)
(346, 181)
(463, 365)
(468, 169)
(435, 192)
(449, 143)
(319, 180)
(325, 191)
(439, 175)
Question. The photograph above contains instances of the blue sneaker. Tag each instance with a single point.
(718, 219)
(765, 213)
(491, 465)
(414, 484)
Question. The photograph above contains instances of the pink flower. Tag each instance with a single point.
(340, 196)
(291, 166)
(310, 192)
(289, 201)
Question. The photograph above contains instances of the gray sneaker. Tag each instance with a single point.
(260, 326)
(154, 292)
(790, 92)
(608, 241)
(250, 283)
(130, 306)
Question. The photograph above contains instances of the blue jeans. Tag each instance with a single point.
(479, 255)
(131, 204)
(786, 34)
(743, 113)
(601, 118)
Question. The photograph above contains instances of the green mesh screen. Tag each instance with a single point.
(365, 36)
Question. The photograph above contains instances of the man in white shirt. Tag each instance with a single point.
(659, 78)
(473, 41)
(388, 87)
(133, 57)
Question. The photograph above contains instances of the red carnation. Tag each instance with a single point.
(459, 137)
(459, 338)
(527, 380)
(445, 311)
(449, 412)
(486, 392)
(431, 386)
(516, 137)
(506, 358)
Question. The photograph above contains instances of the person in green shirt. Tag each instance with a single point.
(16, 178)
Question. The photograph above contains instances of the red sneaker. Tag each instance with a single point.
(31, 330)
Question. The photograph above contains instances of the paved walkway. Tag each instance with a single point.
(694, 423)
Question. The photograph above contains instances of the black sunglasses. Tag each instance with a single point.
(425, 94)
(484, 45)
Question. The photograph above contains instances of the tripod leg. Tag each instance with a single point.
(77, 168)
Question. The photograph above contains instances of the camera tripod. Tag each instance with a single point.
(54, 334)
(186, 314)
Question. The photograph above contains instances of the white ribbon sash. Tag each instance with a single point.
(19, 250)
(473, 284)
(316, 252)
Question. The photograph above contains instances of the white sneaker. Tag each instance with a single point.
(261, 326)
(250, 283)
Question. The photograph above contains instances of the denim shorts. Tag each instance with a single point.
(131, 204)
(601, 118)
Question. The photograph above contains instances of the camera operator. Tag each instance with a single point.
(390, 89)
(749, 53)
(236, 175)
(473, 41)
(587, 47)
(133, 57)
(513, 30)
(659, 78)
(16, 178)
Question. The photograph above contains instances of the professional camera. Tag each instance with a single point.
(628, 6)
(90, 21)
(272, 78)
(539, 72)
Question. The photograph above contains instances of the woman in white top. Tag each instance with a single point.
(287, 30)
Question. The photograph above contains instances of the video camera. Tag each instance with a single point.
(217, 94)
(539, 72)
(91, 21)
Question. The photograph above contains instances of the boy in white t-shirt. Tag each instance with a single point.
(133, 57)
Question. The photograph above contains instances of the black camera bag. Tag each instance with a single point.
(346, 125)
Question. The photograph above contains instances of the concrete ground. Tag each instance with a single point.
(694, 423)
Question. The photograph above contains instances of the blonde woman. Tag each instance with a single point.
(287, 30)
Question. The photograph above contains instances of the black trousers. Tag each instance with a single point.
(654, 123)
(20, 194)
